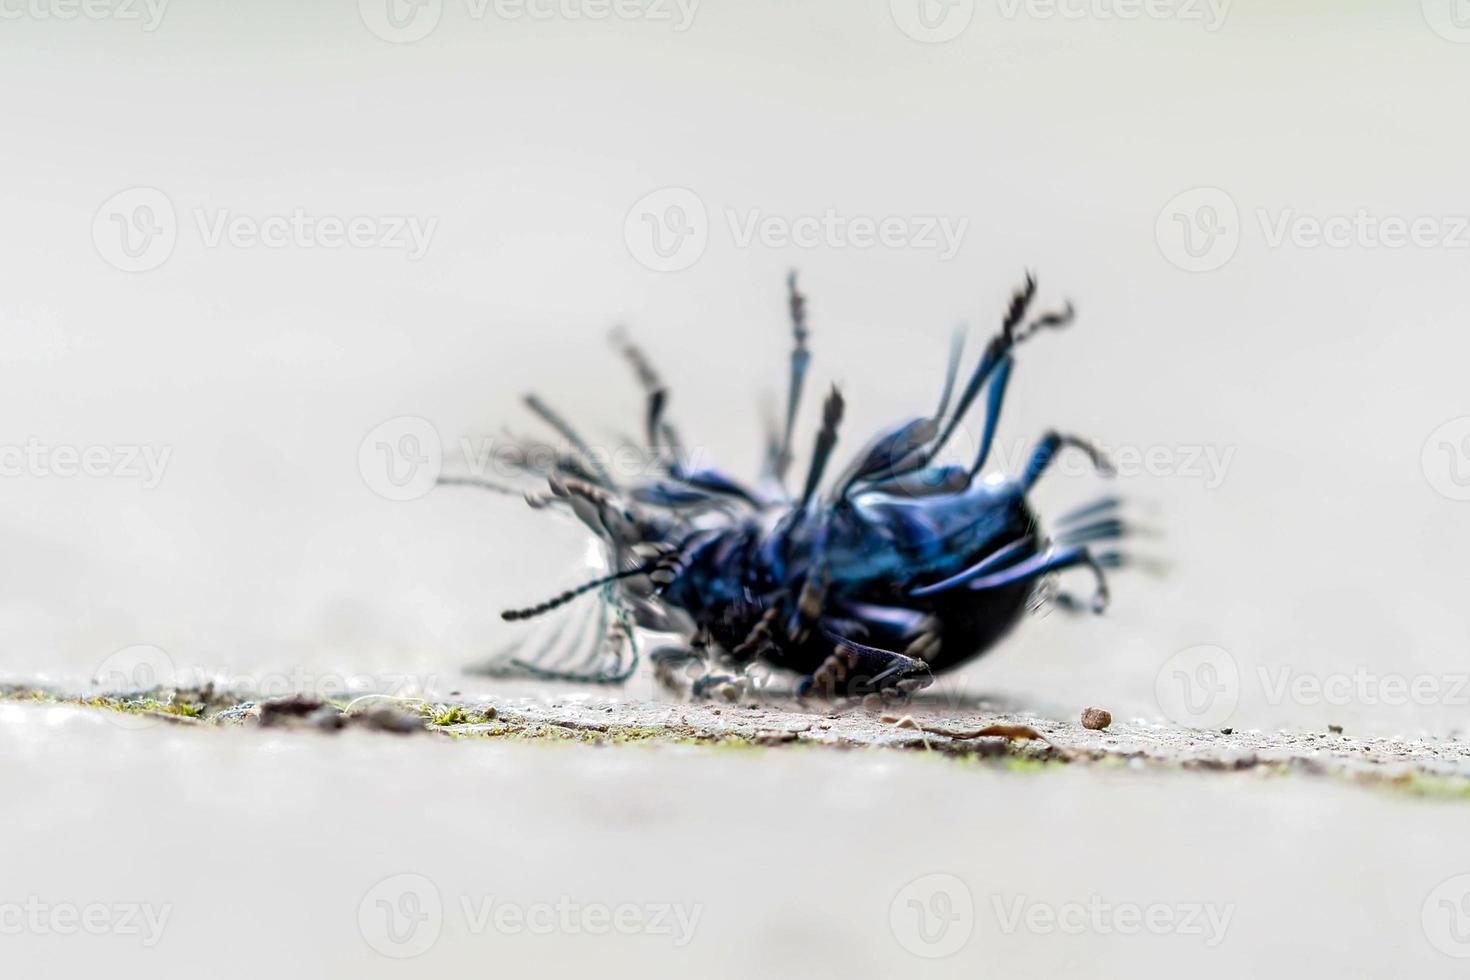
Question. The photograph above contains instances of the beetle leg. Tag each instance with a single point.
(673, 666)
(564, 429)
(995, 398)
(808, 606)
(1046, 451)
(1099, 507)
(826, 440)
(998, 350)
(780, 459)
(1054, 561)
(991, 563)
(1107, 529)
(758, 637)
(855, 670)
(659, 432)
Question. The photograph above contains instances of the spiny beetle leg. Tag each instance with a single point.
(854, 670)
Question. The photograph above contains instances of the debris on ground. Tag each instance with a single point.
(536, 714)
(1096, 719)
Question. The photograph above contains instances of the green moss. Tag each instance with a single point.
(452, 715)
(1422, 785)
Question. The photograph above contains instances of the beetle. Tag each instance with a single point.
(904, 567)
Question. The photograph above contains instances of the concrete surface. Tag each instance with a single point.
(560, 832)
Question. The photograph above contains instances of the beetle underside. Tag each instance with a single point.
(904, 566)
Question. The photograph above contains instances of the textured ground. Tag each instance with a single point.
(511, 834)
(530, 712)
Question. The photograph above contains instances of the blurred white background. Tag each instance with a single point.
(1328, 550)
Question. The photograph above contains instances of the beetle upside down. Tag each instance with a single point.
(904, 567)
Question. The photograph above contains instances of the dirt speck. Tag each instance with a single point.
(1096, 719)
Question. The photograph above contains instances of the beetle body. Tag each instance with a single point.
(874, 546)
(905, 567)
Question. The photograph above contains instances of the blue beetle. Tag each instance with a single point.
(904, 567)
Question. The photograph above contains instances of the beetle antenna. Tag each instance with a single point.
(511, 615)
(475, 481)
(800, 358)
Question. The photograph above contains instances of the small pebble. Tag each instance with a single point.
(1335, 729)
(1096, 719)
